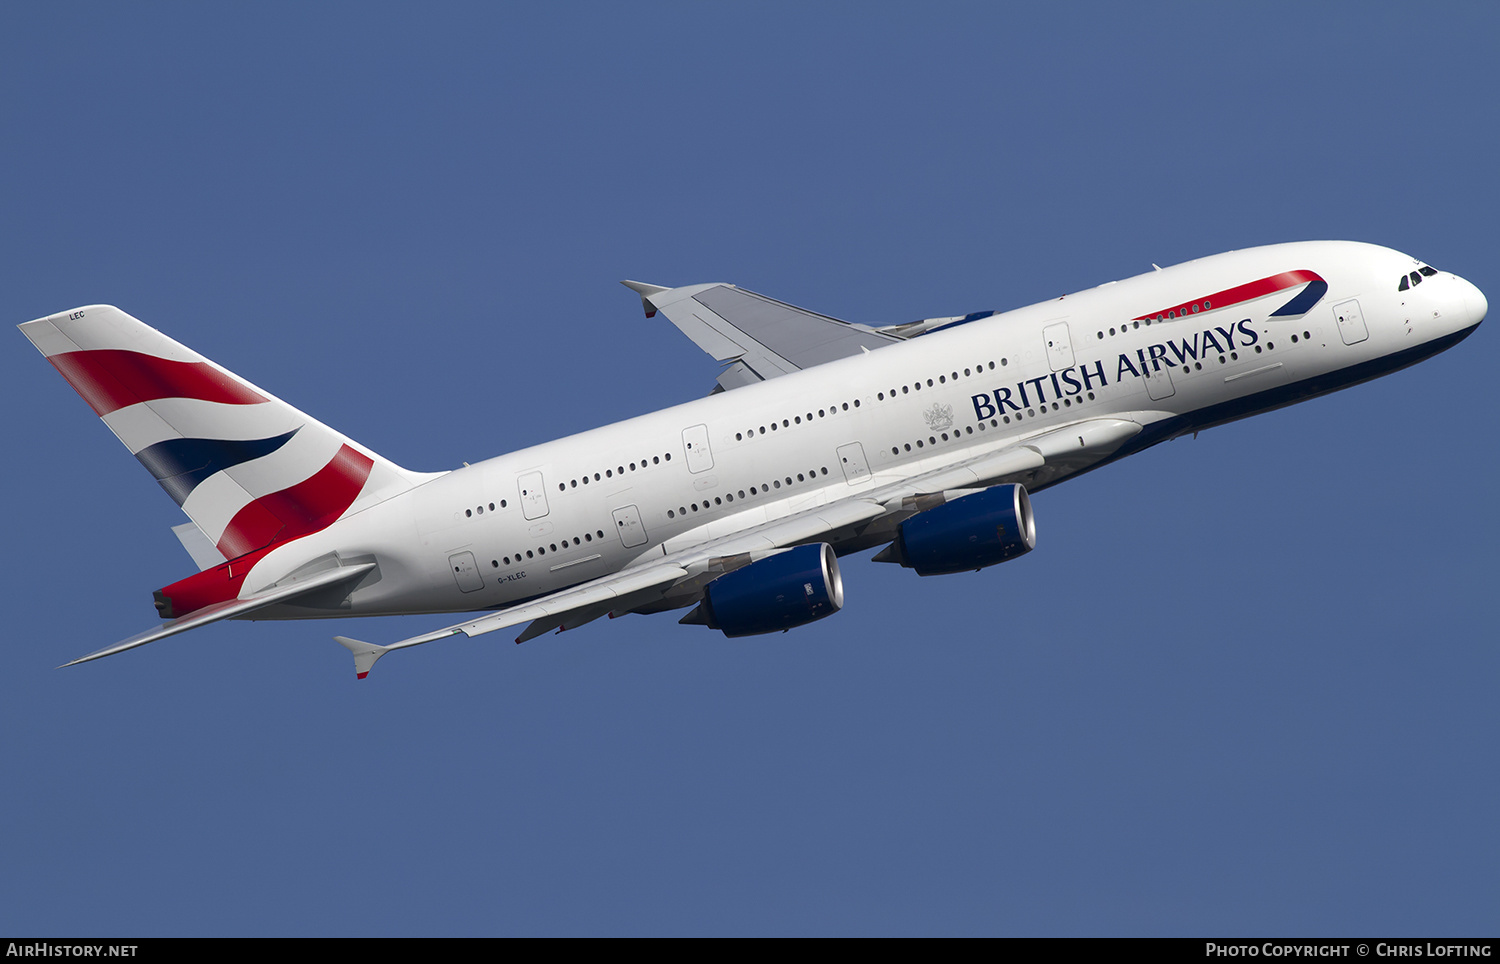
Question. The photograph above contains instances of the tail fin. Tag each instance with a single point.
(247, 468)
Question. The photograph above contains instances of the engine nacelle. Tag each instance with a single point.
(772, 594)
(975, 531)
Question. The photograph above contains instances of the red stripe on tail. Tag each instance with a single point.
(306, 507)
(109, 379)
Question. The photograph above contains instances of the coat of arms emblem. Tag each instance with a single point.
(939, 417)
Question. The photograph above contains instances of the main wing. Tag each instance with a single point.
(762, 338)
(687, 564)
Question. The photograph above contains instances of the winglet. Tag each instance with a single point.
(645, 291)
(365, 654)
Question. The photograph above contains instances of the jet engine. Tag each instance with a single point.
(975, 531)
(778, 592)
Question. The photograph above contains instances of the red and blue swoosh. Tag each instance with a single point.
(1229, 297)
(267, 523)
(113, 379)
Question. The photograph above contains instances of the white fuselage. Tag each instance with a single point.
(554, 515)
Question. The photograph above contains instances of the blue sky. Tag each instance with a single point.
(1246, 684)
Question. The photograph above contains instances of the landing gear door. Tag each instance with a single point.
(1351, 322)
(533, 495)
(1059, 346)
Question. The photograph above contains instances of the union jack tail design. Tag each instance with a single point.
(248, 469)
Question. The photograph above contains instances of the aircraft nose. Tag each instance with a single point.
(1475, 303)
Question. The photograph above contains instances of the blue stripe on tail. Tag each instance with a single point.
(179, 464)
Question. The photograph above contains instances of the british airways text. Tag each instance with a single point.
(1081, 378)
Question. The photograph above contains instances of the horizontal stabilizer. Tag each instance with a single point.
(231, 608)
(559, 609)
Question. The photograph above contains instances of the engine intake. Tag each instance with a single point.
(776, 593)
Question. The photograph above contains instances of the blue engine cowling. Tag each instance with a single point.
(969, 533)
(773, 594)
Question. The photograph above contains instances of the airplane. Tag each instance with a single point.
(821, 438)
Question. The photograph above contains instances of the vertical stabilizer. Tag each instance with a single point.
(247, 468)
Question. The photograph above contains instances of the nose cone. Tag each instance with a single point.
(1475, 304)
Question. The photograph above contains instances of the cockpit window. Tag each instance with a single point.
(1415, 278)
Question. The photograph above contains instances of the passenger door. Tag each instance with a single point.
(533, 495)
(852, 461)
(466, 571)
(1059, 346)
(695, 445)
(628, 525)
(1351, 322)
